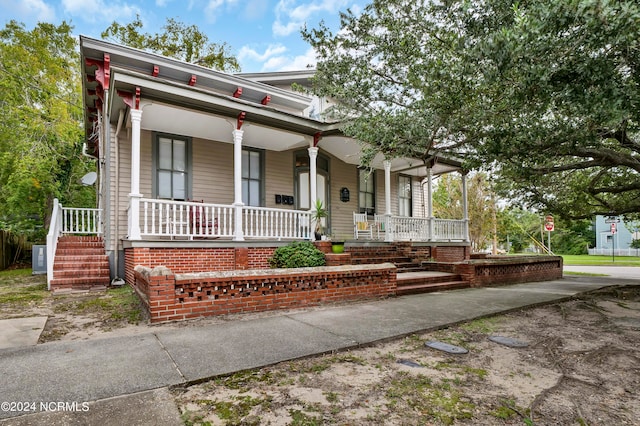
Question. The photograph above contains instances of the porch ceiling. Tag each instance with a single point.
(182, 121)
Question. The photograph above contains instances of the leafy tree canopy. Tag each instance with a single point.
(547, 92)
(40, 125)
(178, 40)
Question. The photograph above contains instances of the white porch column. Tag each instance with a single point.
(388, 234)
(238, 234)
(430, 202)
(134, 195)
(313, 186)
(465, 207)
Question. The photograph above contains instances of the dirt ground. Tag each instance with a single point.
(581, 366)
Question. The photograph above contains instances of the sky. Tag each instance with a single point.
(263, 34)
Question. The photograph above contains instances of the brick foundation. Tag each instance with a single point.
(172, 297)
(508, 270)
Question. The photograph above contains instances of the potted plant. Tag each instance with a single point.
(337, 245)
(318, 214)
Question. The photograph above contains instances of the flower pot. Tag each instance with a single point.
(337, 247)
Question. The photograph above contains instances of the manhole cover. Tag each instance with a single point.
(409, 363)
(446, 347)
(508, 341)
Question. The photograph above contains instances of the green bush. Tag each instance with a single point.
(297, 255)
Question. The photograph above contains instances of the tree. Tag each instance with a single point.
(179, 41)
(447, 204)
(40, 125)
(545, 91)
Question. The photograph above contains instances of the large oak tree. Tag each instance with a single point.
(546, 93)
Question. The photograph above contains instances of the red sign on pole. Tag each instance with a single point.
(548, 223)
(613, 228)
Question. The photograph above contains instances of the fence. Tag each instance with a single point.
(616, 252)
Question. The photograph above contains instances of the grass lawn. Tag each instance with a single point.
(601, 260)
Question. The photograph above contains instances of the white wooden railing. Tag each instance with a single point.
(261, 222)
(69, 220)
(424, 229)
(165, 218)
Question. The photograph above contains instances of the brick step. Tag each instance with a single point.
(79, 266)
(405, 269)
(69, 288)
(430, 287)
(80, 282)
(380, 259)
(79, 238)
(88, 272)
(81, 249)
(76, 260)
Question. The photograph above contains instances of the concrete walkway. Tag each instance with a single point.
(103, 380)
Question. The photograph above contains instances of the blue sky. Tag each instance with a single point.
(263, 34)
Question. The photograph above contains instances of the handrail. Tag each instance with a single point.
(55, 227)
(264, 222)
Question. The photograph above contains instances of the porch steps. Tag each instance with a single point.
(427, 281)
(412, 276)
(80, 264)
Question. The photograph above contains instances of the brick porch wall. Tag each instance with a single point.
(172, 297)
(509, 270)
(184, 260)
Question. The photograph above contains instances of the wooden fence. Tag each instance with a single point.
(12, 248)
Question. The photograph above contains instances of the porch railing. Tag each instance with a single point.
(164, 218)
(69, 220)
(425, 229)
(260, 222)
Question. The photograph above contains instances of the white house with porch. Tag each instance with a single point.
(202, 170)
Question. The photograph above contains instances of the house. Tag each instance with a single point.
(199, 170)
(614, 236)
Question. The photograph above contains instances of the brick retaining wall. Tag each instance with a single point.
(508, 270)
(172, 297)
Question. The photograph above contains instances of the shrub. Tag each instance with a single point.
(297, 255)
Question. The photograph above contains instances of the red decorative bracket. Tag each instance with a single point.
(156, 71)
(192, 80)
(133, 101)
(103, 71)
(238, 92)
(266, 100)
(241, 118)
(316, 139)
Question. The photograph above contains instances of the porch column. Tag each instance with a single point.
(238, 234)
(388, 235)
(134, 195)
(465, 207)
(313, 186)
(430, 203)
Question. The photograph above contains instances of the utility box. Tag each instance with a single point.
(39, 259)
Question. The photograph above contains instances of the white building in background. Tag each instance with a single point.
(616, 242)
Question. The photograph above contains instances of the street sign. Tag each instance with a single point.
(613, 227)
(612, 219)
(548, 223)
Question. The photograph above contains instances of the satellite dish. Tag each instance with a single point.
(89, 178)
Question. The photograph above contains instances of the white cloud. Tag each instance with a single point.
(291, 16)
(36, 10)
(162, 3)
(247, 53)
(99, 10)
(214, 7)
(288, 63)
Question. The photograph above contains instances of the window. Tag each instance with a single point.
(171, 165)
(404, 195)
(367, 191)
(252, 177)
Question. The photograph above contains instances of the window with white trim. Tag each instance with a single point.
(171, 167)
(252, 177)
(367, 191)
(405, 195)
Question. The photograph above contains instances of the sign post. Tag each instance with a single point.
(613, 239)
(549, 226)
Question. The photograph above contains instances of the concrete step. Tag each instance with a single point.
(427, 281)
(430, 287)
